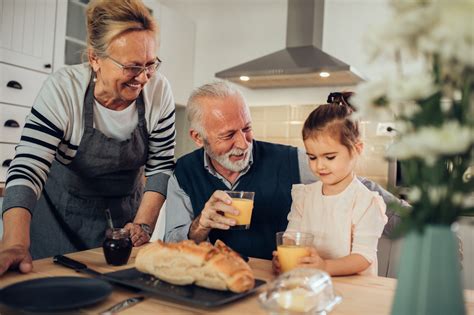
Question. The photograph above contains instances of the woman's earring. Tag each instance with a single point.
(94, 79)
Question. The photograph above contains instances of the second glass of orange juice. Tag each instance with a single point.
(291, 246)
(242, 201)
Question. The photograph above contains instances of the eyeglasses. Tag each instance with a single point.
(135, 71)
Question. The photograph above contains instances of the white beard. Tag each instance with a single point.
(224, 159)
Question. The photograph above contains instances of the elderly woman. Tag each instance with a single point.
(92, 131)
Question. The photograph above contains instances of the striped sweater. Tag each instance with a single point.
(55, 126)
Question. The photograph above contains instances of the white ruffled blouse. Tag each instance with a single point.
(350, 222)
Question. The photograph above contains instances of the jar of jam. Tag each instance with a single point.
(117, 246)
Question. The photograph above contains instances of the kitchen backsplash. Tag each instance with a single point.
(282, 124)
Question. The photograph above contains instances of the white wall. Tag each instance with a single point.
(230, 32)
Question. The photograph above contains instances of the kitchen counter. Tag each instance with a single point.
(360, 294)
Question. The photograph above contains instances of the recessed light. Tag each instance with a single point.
(324, 74)
(244, 78)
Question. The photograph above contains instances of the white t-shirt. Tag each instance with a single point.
(116, 124)
(350, 222)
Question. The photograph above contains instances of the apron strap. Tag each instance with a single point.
(89, 107)
(70, 234)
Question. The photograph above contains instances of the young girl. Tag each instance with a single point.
(345, 217)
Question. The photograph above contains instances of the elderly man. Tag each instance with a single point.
(230, 159)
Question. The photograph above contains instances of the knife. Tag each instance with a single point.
(123, 305)
(76, 265)
(80, 267)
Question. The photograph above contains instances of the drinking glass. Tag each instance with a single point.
(242, 201)
(291, 246)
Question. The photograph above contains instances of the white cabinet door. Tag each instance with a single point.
(19, 86)
(27, 33)
(7, 152)
(12, 121)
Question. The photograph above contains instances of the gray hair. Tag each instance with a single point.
(216, 89)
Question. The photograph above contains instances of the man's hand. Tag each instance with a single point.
(15, 257)
(212, 216)
(137, 234)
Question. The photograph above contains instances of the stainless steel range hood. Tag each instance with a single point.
(302, 63)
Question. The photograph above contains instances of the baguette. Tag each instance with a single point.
(214, 267)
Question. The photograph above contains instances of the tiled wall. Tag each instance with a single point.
(283, 124)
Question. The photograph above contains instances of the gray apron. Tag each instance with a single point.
(104, 174)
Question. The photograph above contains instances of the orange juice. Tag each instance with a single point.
(288, 255)
(245, 207)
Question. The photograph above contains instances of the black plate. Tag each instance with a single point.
(52, 294)
(190, 294)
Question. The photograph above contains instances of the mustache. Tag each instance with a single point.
(236, 151)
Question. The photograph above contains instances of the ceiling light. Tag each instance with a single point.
(324, 74)
(244, 78)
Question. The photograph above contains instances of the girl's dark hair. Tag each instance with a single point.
(333, 119)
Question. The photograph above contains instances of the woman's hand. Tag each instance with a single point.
(312, 261)
(15, 257)
(276, 263)
(137, 234)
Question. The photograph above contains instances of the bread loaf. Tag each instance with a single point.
(215, 267)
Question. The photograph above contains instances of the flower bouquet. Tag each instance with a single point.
(430, 99)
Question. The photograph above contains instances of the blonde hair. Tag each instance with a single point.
(107, 19)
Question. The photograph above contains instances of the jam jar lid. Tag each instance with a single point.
(300, 291)
(117, 233)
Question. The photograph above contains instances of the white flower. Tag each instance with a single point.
(414, 194)
(370, 100)
(437, 193)
(457, 198)
(402, 31)
(446, 104)
(404, 91)
(452, 35)
(405, 5)
(430, 142)
(411, 88)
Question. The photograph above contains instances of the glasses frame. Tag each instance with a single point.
(124, 68)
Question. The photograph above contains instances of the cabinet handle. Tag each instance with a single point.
(47, 66)
(6, 163)
(14, 85)
(11, 123)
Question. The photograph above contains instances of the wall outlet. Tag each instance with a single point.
(385, 129)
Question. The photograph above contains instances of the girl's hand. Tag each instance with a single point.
(276, 263)
(312, 261)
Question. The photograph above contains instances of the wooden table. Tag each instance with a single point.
(360, 294)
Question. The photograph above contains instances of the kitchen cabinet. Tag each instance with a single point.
(31, 38)
(76, 33)
(27, 33)
(18, 89)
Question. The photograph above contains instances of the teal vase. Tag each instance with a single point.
(429, 278)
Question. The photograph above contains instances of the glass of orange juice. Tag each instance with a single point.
(291, 246)
(242, 201)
